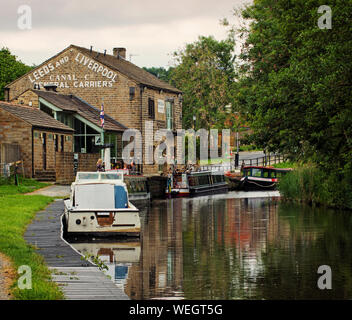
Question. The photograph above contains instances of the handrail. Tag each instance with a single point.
(265, 160)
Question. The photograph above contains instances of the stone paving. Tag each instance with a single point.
(53, 191)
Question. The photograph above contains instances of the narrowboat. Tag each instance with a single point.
(99, 206)
(195, 184)
(261, 178)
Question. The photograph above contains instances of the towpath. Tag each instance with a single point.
(79, 279)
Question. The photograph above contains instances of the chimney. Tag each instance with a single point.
(50, 87)
(119, 52)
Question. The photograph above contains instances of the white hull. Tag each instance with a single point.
(103, 222)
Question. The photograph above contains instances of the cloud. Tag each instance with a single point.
(150, 30)
(98, 14)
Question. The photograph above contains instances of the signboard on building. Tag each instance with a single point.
(63, 80)
(161, 106)
(97, 140)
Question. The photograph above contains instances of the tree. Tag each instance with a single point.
(160, 72)
(205, 73)
(10, 69)
(296, 79)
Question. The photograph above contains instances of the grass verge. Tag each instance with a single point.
(285, 165)
(8, 187)
(16, 212)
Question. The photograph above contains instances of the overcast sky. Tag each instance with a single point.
(150, 30)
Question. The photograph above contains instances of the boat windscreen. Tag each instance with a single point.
(87, 176)
(111, 176)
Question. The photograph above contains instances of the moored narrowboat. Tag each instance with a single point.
(196, 184)
(261, 178)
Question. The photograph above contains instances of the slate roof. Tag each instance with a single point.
(128, 69)
(34, 116)
(72, 103)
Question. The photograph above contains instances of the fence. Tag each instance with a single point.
(9, 154)
(266, 160)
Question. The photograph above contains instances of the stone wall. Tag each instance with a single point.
(51, 150)
(64, 168)
(88, 161)
(157, 186)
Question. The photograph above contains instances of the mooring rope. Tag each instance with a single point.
(269, 186)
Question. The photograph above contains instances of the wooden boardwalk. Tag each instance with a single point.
(86, 283)
(79, 279)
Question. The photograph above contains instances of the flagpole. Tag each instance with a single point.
(102, 113)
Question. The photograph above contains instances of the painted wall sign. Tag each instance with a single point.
(96, 67)
(46, 69)
(74, 80)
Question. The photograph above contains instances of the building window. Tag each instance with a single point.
(169, 114)
(56, 142)
(84, 138)
(110, 138)
(62, 143)
(151, 108)
(132, 92)
(65, 118)
(47, 110)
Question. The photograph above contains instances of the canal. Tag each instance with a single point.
(222, 247)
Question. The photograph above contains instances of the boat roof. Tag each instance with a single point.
(125, 172)
(268, 167)
(196, 172)
(99, 177)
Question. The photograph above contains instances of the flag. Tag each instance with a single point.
(102, 115)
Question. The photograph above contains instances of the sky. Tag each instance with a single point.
(150, 30)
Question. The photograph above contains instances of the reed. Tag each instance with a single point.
(314, 185)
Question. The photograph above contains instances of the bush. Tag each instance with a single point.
(315, 185)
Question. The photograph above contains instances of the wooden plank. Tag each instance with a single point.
(86, 283)
(79, 279)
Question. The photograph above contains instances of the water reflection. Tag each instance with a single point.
(216, 248)
(119, 257)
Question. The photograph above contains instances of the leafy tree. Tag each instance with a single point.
(10, 69)
(296, 79)
(205, 73)
(160, 72)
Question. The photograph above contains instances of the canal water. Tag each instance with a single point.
(222, 247)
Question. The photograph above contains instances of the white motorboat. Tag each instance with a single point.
(99, 206)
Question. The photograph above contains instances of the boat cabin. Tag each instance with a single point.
(99, 190)
(264, 172)
(196, 183)
(261, 178)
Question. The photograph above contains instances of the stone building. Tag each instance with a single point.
(131, 96)
(79, 115)
(39, 136)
